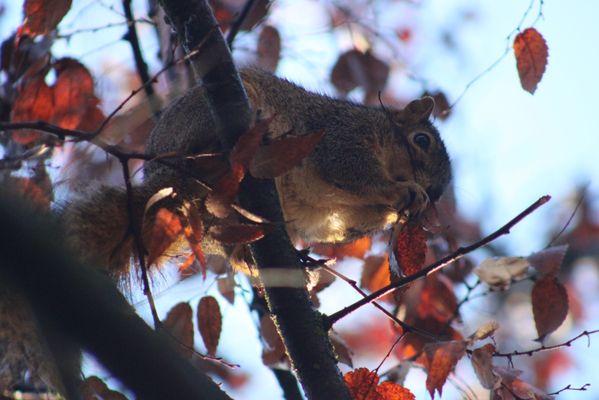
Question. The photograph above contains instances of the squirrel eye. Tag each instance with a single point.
(422, 140)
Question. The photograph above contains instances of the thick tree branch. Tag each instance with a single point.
(301, 327)
(82, 303)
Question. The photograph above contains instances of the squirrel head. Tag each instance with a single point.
(419, 153)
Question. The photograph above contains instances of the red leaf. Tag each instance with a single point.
(283, 154)
(437, 299)
(548, 261)
(209, 322)
(226, 287)
(42, 16)
(179, 324)
(194, 232)
(363, 385)
(245, 149)
(549, 305)
(269, 48)
(165, 231)
(531, 57)
(34, 102)
(218, 202)
(237, 234)
(410, 248)
(73, 93)
(441, 358)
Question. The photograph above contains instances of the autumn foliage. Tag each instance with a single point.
(419, 325)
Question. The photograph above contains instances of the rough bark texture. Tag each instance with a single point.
(84, 306)
(301, 327)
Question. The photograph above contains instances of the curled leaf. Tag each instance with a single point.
(482, 363)
(499, 272)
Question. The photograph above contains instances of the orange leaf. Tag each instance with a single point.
(549, 305)
(363, 385)
(531, 58)
(410, 248)
(34, 102)
(237, 234)
(209, 322)
(283, 154)
(393, 391)
(375, 273)
(355, 249)
(179, 324)
(442, 358)
(194, 232)
(165, 231)
(42, 16)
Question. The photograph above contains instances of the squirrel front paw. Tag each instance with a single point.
(414, 199)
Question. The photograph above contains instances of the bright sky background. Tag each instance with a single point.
(508, 147)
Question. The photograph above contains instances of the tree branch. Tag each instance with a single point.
(456, 255)
(301, 327)
(83, 304)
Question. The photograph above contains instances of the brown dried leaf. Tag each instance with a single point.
(482, 363)
(93, 388)
(237, 233)
(269, 48)
(179, 324)
(165, 230)
(226, 287)
(549, 305)
(245, 149)
(274, 349)
(218, 202)
(344, 353)
(283, 154)
(42, 16)
(442, 358)
(356, 69)
(484, 331)
(531, 54)
(548, 261)
(209, 322)
(410, 248)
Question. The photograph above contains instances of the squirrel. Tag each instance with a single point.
(371, 165)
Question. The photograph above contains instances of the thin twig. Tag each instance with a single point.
(529, 353)
(456, 255)
(405, 327)
(140, 63)
(139, 247)
(583, 388)
(238, 22)
(578, 204)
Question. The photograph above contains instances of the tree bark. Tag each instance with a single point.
(300, 326)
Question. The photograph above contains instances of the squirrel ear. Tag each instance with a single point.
(418, 110)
